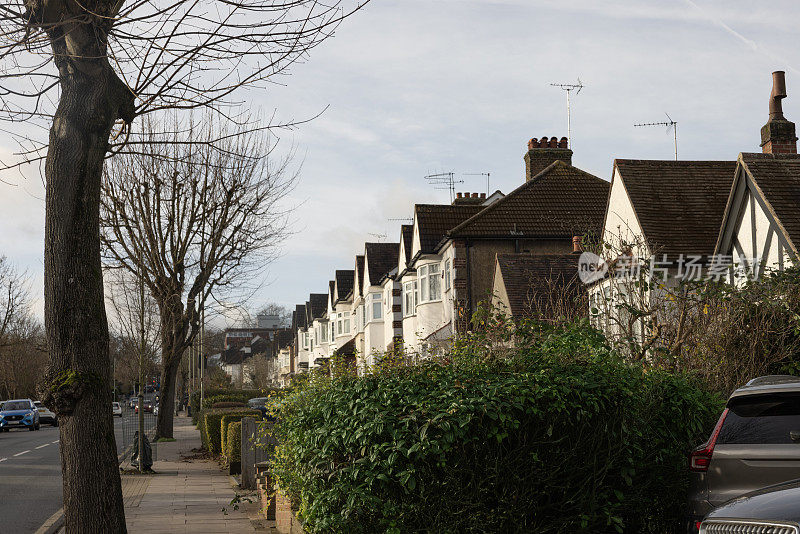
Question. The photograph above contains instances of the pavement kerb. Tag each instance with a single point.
(56, 521)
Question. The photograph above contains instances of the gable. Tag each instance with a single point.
(751, 229)
(621, 225)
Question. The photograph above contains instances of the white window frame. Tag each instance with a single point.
(410, 297)
(427, 281)
(374, 299)
(448, 276)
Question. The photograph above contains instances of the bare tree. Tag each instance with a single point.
(195, 220)
(78, 67)
(124, 307)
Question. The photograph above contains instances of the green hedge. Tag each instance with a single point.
(212, 426)
(530, 443)
(233, 444)
(216, 395)
(230, 418)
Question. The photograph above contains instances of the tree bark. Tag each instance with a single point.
(174, 331)
(92, 98)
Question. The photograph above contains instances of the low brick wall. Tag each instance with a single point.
(277, 507)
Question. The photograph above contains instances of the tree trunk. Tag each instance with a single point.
(166, 409)
(77, 383)
(173, 343)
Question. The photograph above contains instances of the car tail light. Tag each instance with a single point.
(700, 458)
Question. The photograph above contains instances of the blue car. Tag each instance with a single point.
(19, 413)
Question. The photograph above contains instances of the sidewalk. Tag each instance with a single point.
(187, 495)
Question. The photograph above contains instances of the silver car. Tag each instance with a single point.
(772, 510)
(756, 443)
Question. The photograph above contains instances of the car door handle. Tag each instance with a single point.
(795, 435)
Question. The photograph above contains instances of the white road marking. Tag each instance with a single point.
(53, 442)
(21, 453)
(3, 459)
(41, 446)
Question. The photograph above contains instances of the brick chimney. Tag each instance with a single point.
(542, 153)
(469, 198)
(778, 135)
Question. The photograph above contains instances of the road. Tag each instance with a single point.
(30, 475)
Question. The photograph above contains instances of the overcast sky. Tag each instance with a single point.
(415, 87)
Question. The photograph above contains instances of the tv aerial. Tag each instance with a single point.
(670, 124)
(568, 88)
(379, 237)
(444, 181)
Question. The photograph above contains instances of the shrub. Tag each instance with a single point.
(559, 437)
(227, 419)
(233, 443)
(212, 423)
(229, 405)
(235, 395)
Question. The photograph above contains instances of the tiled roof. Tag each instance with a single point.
(318, 304)
(359, 276)
(561, 201)
(778, 179)
(232, 356)
(299, 317)
(679, 204)
(348, 349)
(435, 220)
(407, 235)
(285, 338)
(381, 258)
(344, 283)
(533, 282)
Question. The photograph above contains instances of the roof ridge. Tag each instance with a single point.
(512, 194)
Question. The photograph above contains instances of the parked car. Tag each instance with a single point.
(19, 413)
(116, 409)
(45, 415)
(773, 510)
(755, 444)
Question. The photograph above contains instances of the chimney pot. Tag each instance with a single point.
(483, 195)
(533, 143)
(563, 143)
(554, 142)
(576, 244)
(778, 136)
(458, 195)
(474, 195)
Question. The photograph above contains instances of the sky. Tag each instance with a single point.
(415, 87)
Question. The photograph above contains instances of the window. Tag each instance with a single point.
(339, 324)
(430, 283)
(323, 333)
(410, 296)
(333, 330)
(375, 307)
(763, 419)
(346, 325)
(448, 280)
(434, 282)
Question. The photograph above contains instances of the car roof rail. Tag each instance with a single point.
(773, 379)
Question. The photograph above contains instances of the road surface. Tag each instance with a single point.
(30, 475)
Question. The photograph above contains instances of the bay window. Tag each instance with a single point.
(410, 297)
(375, 307)
(430, 283)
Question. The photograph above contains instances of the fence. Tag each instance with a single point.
(130, 425)
(256, 448)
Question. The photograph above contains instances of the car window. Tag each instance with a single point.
(765, 419)
(16, 405)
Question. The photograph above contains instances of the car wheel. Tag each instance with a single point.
(55, 422)
(37, 426)
(32, 428)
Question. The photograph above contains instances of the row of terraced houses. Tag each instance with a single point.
(512, 249)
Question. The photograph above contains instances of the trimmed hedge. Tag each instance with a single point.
(238, 395)
(541, 441)
(212, 423)
(229, 405)
(233, 444)
(230, 418)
